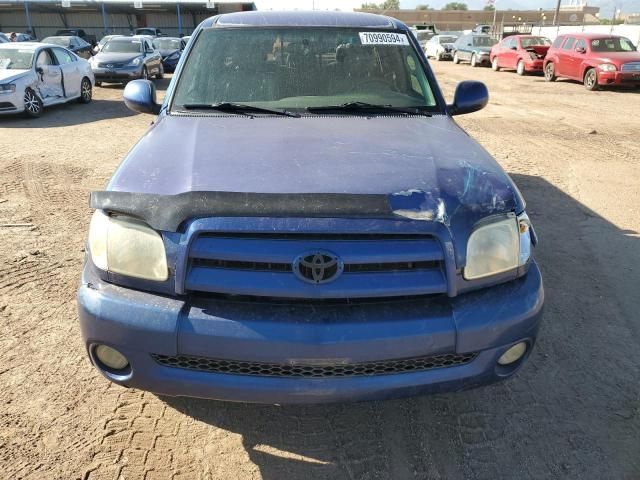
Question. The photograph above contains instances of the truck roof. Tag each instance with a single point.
(305, 19)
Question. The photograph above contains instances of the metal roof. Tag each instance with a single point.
(306, 19)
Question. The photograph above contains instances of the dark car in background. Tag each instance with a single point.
(473, 48)
(151, 31)
(76, 44)
(522, 53)
(126, 58)
(77, 32)
(170, 49)
(596, 60)
(305, 222)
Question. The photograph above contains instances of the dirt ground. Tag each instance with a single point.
(572, 412)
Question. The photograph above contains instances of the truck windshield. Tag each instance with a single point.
(288, 68)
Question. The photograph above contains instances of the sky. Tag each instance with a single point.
(607, 6)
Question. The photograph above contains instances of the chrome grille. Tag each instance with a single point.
(385, 367)
(631, 67)
(110, 65)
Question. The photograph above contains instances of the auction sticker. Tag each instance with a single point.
(381, 38)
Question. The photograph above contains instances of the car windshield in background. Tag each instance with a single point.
(62, 41)
(12, 59)
(534, 42)
(483, 42)
(447, 39)
(123, 46)
(167, 43)
(613, 44)
(303, 67)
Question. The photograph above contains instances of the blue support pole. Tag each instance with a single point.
(28, 15)
(105, 21)
(179, 19)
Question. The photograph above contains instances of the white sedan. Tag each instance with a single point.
(36, 75)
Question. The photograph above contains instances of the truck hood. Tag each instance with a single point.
(428, 166)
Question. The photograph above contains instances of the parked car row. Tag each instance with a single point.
(596, 60)
(61, 68)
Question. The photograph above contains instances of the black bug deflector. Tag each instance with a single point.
(168, 212)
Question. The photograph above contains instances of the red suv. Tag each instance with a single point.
(524, 53)
(593, 59)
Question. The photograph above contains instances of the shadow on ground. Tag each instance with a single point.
(74, 113)
(70, 114)
(572, 412)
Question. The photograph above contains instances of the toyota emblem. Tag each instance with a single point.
(318, 267)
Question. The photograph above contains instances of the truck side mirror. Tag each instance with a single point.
(140, 96)
(470, 97)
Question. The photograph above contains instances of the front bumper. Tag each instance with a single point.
(141, 324)
(12, 102)
(618, 78)
(534, 65)
(117, 75)
(483, 59)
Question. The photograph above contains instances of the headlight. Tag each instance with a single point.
(135, 62)
(7, 88)
(607, 67)
(127, 246)
(498, 247)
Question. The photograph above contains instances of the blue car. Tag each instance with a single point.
(170, 49)
(305, 222)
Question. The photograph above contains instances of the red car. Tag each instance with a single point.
(523, 53)
(593, 59)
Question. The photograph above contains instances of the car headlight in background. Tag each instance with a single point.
(127, 246)
(135, 62)
(607, 67)
(7, 88)
(498, 247)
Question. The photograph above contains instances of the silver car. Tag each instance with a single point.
(36, 75)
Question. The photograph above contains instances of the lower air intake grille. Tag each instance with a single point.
(385, 367)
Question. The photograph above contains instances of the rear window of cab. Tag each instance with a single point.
(296, 68)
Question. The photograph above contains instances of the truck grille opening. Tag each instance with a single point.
(384, 367)
(270, 264)
(287, 267)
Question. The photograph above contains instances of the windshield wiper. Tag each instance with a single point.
(237, 108)
(370, 108)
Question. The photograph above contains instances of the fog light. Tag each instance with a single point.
(514, 354)
(111, 358)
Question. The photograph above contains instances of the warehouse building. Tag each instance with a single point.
(42, 18)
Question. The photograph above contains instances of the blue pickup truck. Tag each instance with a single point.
(304, 222)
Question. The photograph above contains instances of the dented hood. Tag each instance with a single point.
(428, 166)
